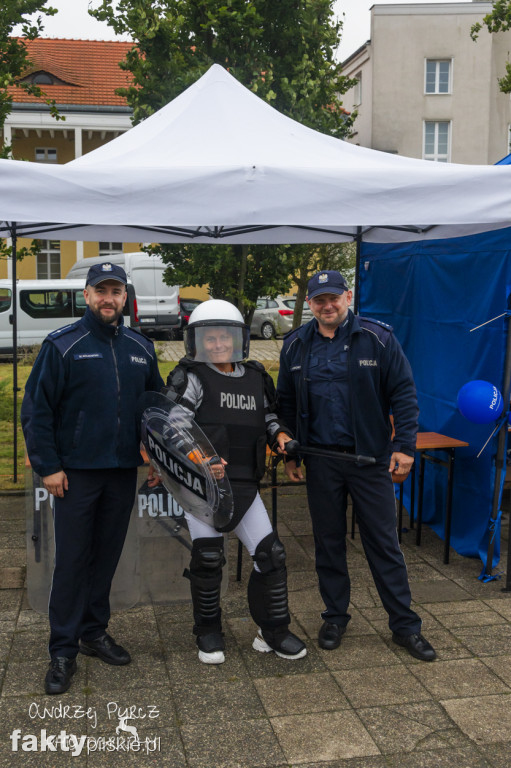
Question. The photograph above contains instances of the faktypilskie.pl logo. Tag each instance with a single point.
(125, 722)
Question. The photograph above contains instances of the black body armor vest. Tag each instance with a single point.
(232, 416)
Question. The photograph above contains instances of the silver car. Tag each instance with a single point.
(274, 317)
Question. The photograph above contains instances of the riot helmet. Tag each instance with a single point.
(216, 333)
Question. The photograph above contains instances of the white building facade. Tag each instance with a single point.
(426, 89)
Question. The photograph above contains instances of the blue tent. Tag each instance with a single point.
(434, 293)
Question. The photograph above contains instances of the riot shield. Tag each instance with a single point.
(164, 545)
(41, 551)
(182, 455)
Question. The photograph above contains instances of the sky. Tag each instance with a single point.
(73, 21)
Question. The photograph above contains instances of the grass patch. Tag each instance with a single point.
(7, 427)
(6, 415)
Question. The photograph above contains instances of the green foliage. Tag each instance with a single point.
(14, 58)
(498, 20)
(327, 256)
(284, 51)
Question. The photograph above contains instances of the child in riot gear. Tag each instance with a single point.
(233, 403)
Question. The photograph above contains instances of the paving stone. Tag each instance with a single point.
(297, 694)
(485, 719)
(500, 665)
(12, 578)
(413, 727)
(250, 743)
(459, 678)
(323, 736)
(486, 641)
(438, 591)
(233, 700)
(380, 685)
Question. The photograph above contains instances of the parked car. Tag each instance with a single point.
(274, 317)
(43, 306)
(187, 307)
(157, 302)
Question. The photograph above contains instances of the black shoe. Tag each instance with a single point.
(330, 635)
(60, 672)
(416, 645)
(107, 649)
(282, 643)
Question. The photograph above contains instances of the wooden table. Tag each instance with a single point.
(426, 442)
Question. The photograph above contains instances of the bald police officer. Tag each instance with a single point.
(340, 376)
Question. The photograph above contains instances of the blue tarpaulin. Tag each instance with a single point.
(433, 293)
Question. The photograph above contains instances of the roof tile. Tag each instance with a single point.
(89, 68)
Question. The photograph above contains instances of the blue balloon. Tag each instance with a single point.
(480, 402)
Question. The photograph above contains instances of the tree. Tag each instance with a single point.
(327, 256)
(14, 56)
(498, 20)
(14, 60)
(284, 51)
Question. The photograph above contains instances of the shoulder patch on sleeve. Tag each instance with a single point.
(64, 338)
(382, 330)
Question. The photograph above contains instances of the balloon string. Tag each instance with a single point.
(488, 321)
(499, 424)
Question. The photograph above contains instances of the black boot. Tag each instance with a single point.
(267, 600)
(206, 579)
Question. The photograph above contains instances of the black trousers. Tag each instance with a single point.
(371, 489)
(90, 527)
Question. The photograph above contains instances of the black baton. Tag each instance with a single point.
(293, 448)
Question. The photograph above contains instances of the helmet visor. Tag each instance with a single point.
(217, 344)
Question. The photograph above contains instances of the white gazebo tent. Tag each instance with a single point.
(218, 164)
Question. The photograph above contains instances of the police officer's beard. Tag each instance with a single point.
(108, 319)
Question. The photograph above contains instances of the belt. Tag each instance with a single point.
(338, 448)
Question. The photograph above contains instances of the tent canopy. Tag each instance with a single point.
(219, 163)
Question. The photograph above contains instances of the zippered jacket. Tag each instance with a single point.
(380, 381)
(79, 409)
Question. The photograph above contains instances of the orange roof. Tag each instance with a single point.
(89, 70)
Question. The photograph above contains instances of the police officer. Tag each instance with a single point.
(340, 376)
(233, 404)
(82, 438)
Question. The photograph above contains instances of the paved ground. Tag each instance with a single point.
(259, 350)
(366, 705)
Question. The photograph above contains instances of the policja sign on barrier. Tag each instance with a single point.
(156, 550)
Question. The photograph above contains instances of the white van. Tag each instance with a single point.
(157, 303)
(43, 306)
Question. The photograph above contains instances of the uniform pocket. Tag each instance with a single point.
(77, 435)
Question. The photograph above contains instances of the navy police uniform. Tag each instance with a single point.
(79, 415)
(338, 392)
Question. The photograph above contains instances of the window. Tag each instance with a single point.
(106, 249)
(48, 259)
(436, 141)
(357, 91)
(45, 155)
(5, 299)
(438, 76)
(42, 305)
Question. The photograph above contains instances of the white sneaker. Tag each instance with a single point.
(290, 648)
(214, 657)
(211, 648)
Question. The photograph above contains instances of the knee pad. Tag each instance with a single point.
(270, 554)
(206, 578)
(207, 556)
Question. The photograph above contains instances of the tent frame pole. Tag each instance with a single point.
(14, 320)
(500, 466)
(358, 243)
